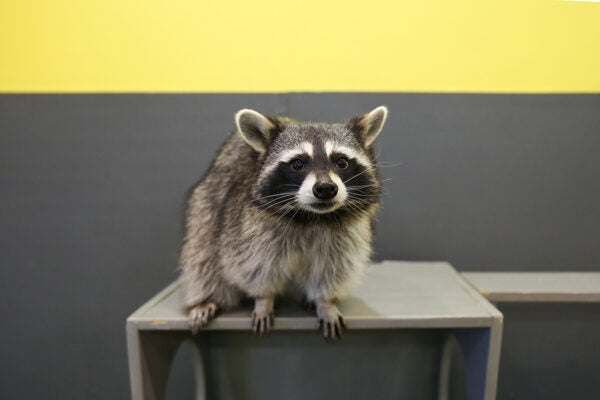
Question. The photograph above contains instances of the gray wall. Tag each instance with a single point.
(91, 200)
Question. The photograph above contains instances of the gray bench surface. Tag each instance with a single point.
(537, 286)
(392, 295)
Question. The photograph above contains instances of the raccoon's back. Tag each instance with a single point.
(226, 185)
(235, 163)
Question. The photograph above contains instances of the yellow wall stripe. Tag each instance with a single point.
(308, 45)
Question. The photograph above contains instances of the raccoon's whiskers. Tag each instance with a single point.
(369, 169)
(357, 201)
(361, 187)
(274, 203)
(361, 195)
(290, 221)
(373, 184)
(365, 192)
(355, 210)
(389, 164)
(272, 195)
(280, 198)
(259, 206)
(352, 209)
(290, 209)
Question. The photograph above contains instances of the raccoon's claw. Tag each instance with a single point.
(331, 322)
(200, 315)
(263, 316)
(332, 329)
(261, 324)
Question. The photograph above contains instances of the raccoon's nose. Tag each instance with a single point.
(325, 189)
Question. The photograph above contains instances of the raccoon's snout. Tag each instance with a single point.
(325, 189)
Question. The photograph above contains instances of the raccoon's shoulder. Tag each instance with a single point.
(235, 163)
(234, 154)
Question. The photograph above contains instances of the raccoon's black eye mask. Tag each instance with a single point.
(297, 164)
(342, 162)
(284, 179)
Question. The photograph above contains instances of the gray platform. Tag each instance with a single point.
(394, 297)
(563, 287)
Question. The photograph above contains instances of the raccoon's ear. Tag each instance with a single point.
(255, 128)
(368, 126)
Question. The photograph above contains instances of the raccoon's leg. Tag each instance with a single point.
(263, 315)
(258, 281)
(331, 320)
(204, 294)
(204, 290)
(223, 297)
(327, 283)
(199, 316)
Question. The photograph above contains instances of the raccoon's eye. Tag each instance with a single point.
(297, 164)
(342, 163)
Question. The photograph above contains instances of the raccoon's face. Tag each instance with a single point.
(314, 168)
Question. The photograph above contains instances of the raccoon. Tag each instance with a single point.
(285, 207)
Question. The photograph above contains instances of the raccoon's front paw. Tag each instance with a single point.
(200, 315)
(263, 316)
(331, 321)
